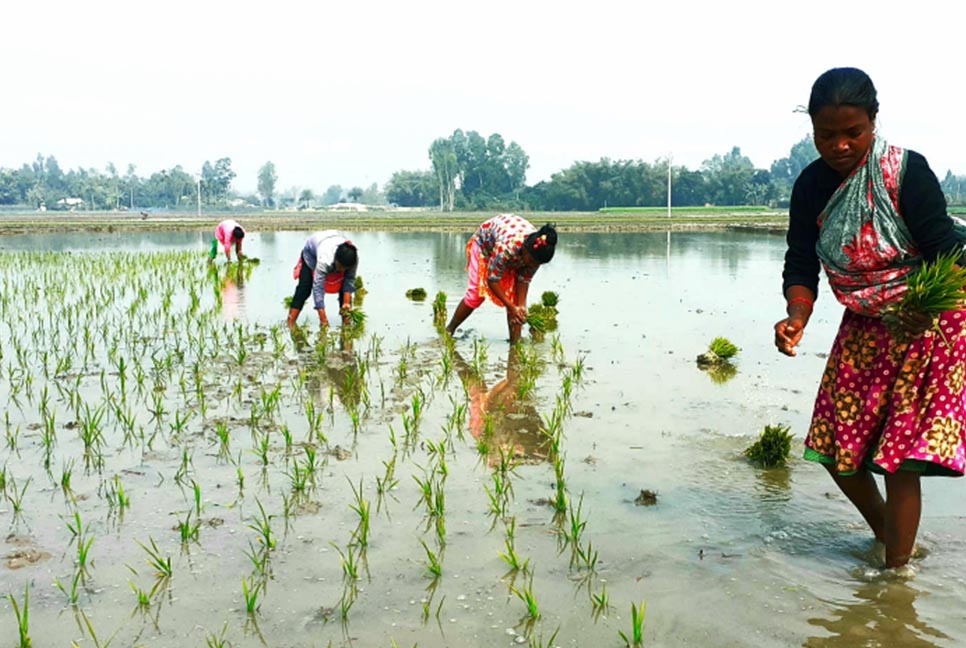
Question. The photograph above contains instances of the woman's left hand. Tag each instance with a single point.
(914, 322)
(519, 314)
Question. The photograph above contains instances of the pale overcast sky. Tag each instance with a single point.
(347, 92)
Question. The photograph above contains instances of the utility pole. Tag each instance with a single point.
(199, 196)
(669, 185)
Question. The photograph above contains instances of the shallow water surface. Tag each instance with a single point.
(127, 363)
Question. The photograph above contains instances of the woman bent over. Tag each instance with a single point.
(327, 264)
(501, 259)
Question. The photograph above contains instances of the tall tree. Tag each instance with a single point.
(443, 157)
(216, 179)
(332, 195)
(266, 183)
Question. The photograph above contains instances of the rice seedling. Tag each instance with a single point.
(534, 642)
(72, 593)
(528, 597)
(577, 523)
(213, 640)
(187, 530)
(930, 290)
(600, 602)
(160, 564)
(510, 556)
(23, 617)
(439, 308)
(116, 497)
(224, 440)
(637, 627)
(479, 357)
(15, 495)
(416, 294)
(251, 591)
(84, 544)
(772, 447)
(434, 563)
(143, 598)
(361, 507)
(350, 566)
(263, 527)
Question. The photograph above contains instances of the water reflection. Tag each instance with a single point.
(882, 614)
(229, 282)
(504, 417)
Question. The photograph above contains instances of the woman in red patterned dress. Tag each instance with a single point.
(870, 214)
(501, 259)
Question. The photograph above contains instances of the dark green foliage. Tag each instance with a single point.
(772, 448)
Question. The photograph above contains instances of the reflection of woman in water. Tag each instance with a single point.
(512, 423)
(882, 614)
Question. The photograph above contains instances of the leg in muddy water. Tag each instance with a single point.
(514, 328)
(459, 316)
(902, 512)
(863, 492)
(293, 314)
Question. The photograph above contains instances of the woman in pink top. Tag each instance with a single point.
(501, 259)
(227, 232)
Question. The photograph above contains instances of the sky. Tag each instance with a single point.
(348, 92)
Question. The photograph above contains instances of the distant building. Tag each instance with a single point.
(344, 206)
(70, 203)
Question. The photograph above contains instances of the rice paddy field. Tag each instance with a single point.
(178, 468)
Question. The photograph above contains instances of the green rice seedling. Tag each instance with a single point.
(510, 557)
(287, 436)
(577, 523)
(183, 468)
(116, 497)
(23, 616)
(213, 640)
(361, 507)
(161, 565)
(259, 558)
(600, 602)
(84, 544)
(143, 598)
(262, 446)
(263, 527)
(65, 476)
(550, 299)
(251, 591)
(73, 593)
(298, 477)
(346, 602)
(439, 309)
(534, 642)
(224, 440)
(587, 556)
(15, 495)
(637, 627)
(528, 597)
(772, 447)
(556, 349)
(931, 289)
(350, 566)
(723, 348)
(187, 530)
(357, 318)
(434, 563)
(479, 357)
(416, 294)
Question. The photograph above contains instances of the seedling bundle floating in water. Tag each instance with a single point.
(772, 448)
(717, 360)
(931, 289)
(416, 294)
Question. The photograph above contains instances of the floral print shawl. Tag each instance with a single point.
(864, 244)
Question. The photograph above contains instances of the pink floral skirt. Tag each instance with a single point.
(892, 405)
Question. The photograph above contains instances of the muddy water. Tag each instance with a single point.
(727, 556)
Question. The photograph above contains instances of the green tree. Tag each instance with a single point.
(306, 198)
(786, 170)
(332, 195)
(443, 157)
(412, 188)
(729, 177)
(266, 184)
(355, 194)
(216, 179)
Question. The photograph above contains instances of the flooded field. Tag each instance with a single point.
(180, 469)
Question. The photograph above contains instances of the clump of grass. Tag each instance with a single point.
(772, 448)
(416, 294)
(931, 289)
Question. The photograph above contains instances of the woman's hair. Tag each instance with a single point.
(238, 233)
(844, 87)
(542, 243)
(347, 255)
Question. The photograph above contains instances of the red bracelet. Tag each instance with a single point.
(800, 300)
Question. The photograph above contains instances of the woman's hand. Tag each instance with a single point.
(323, 320)
(788, 333)
(344, 311)
(914, 323)
(518, 314)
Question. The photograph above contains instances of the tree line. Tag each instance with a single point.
(467, 171)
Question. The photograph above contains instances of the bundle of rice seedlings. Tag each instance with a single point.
(720, 350)
(360, 287)
(772, 448)
(287, 301)
(356, 317)
(537, 322)
(931, 289)
(722, 372)
(550, 299)
(439, 307)
(416, 294)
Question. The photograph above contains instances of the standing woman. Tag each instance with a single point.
(327, 264)
(501, 259)
(227, 233)
(870, 214)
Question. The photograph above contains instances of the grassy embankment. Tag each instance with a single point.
(606, 220)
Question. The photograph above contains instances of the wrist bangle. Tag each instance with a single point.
(800, 300)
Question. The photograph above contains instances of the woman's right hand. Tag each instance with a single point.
(788, 333)
(519, 314)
